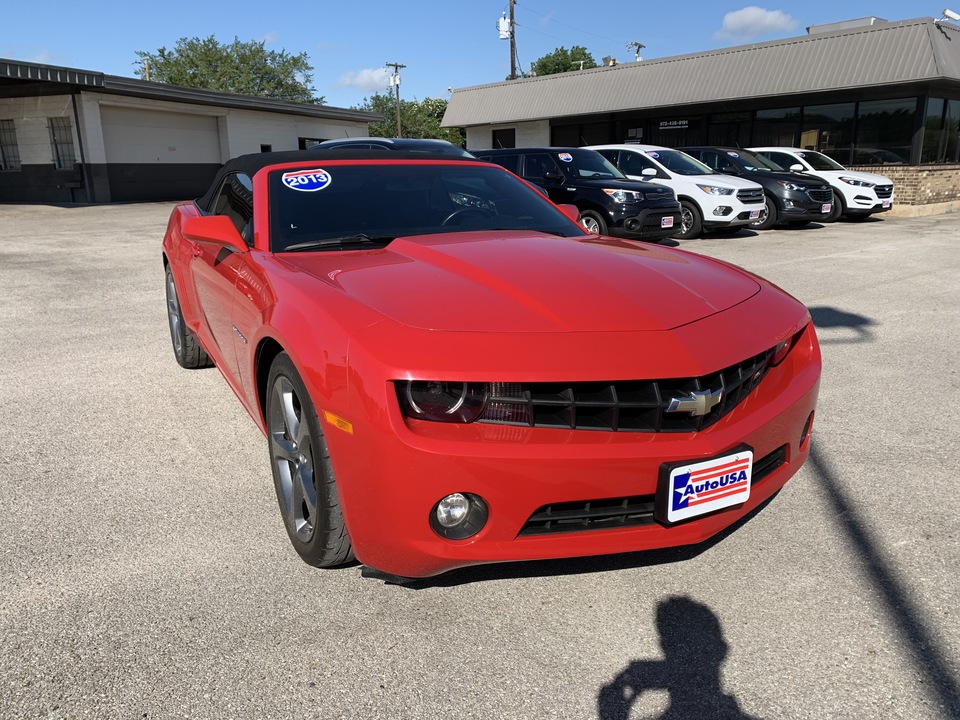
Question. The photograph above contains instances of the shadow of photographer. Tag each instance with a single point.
(688, 676)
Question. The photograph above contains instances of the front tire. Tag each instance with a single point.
(186, 348)
(691, 223)
(302, 471)
(768, 216)
(593, 222)
(836, 212)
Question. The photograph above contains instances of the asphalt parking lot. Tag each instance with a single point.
(145, 573)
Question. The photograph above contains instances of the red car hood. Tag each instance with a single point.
(522, 282)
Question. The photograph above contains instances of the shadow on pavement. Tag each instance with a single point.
(905, 616)
(689, 674)
(827, 318)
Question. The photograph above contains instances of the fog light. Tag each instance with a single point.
(459, 516)
(788, 204)
(722, 210)
(452, 510)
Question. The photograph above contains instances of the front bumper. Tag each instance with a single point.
(391, 471)
(795, 206)
(649, 223)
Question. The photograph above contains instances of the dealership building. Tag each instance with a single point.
(69, 135)
(875, 95)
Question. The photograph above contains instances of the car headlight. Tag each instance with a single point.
(624, 196)
(792, 185)
(715, 189)
(442, 400)
(856, 182)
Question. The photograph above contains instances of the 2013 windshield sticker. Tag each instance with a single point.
(307, 180)
(733, 154)
(566, 157)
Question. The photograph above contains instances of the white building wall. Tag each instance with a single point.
(29, 115)
(535, 133)
(247, 130)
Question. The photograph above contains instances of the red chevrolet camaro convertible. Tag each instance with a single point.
(449, 370)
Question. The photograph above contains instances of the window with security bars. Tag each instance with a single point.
(9, 150)
(61, 142)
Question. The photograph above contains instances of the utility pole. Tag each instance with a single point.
(395, 82)
(513, 43)
(505, 27)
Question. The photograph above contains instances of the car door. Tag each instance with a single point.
(542, 169)
(214, 270)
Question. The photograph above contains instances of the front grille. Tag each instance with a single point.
(619, 512)
(622, 406)
(749, 197)
(824, 195)
(883, 191)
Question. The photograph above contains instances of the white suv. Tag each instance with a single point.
(856, 194)
(709, 200)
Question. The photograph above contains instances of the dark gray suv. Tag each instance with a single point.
(609, 202)
(789, 198)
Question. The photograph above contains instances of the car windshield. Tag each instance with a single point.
(588, 165)
(754, 163)
(819, 161)
(360, 206)
(680, 163)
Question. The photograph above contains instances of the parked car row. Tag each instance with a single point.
(715, 187)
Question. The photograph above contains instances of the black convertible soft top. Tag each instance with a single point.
(250, 164)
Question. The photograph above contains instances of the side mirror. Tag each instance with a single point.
(649, 172)
(553, 176)
(797, 167)
(217, 229)
(571, 211)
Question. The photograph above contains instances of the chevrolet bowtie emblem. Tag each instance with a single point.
(699, 402)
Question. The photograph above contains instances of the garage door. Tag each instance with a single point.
(158, 155)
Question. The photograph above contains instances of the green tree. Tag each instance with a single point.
(563, 60)
(418, 119)
(244, 68)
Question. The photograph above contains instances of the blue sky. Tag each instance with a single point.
(443, 44)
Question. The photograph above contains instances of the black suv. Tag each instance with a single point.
(791, 198)
(609, 203)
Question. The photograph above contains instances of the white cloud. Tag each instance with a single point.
(367, 80)
(752, 22)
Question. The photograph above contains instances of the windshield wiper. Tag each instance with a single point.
(358, 239)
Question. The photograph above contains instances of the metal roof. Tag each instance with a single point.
(881, 55)
(19, 79)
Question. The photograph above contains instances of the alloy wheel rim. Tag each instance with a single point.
(686, 220)
(591, 225)
(292, 451)
(173, 316)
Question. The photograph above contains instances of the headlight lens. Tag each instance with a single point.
(624, 196)
(792, 185)
(441, 400)
(715, 189)
(856, 182)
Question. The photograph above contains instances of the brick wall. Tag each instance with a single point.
(920, 185)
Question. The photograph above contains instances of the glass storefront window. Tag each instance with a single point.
(884, 132)
(730, 129)
(829, 129)
(940, 131)
(776, 127)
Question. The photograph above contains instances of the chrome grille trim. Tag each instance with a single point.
(622, 406)
(750, 196)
